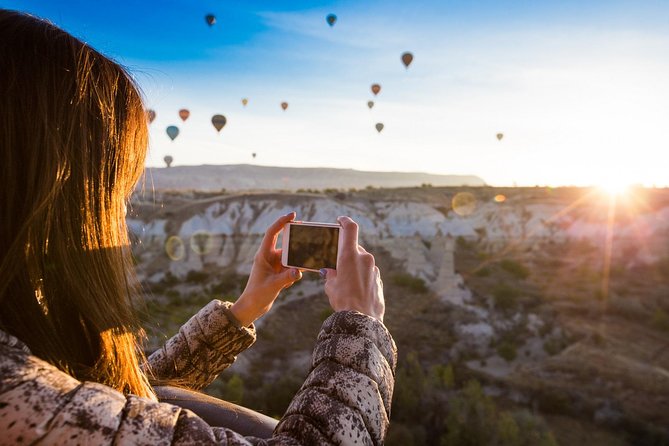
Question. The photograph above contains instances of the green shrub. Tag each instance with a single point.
(194, 276)
(228, 283)
(474, 420)
(505, 297)
(483, 272)
(406, 280)
(516, 269)
(507, 350)
(442, 377)
(660, 320)
(325, 313)
(553, 346)
(233, 390)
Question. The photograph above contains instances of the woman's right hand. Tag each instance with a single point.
(356, 283)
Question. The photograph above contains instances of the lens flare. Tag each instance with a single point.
(464, 203)
(174, 248)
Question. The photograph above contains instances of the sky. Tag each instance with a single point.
(579, 89)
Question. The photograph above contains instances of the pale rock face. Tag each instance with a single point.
(415, 233)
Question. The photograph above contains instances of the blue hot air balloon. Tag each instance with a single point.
(172, 131)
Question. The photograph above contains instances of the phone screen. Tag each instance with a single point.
(313, 247)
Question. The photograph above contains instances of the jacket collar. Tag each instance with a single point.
(12, 341)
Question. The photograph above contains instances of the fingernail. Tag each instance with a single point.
(294, 274)
(323, 273)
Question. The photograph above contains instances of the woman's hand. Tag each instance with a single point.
(268, 277)
(356, 283)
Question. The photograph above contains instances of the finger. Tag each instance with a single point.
(289, 277)
(272, 233)
(349, 237)
(377, 275)
(327, 273)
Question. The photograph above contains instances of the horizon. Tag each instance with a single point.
(576, 89)
(605, 189)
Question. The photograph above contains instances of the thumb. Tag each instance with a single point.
(327, 273)
(289, 276)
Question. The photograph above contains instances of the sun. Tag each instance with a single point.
(614, 187)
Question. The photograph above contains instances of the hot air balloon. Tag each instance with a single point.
(210, 19)
(500, 136)
(253, 155)
(244, 102)
(172, 131)
(184, 114)
(407, 58)
(219, 122)
(370, 104)
(375, 89)
(151, 115)
(284, 105)
(331, 19)
(168, 160)
(379, 127)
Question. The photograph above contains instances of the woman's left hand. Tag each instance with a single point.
(268, 277)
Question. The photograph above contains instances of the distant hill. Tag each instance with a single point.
(248, 177)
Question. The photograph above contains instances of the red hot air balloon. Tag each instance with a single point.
(184, 114)
(210, 19)
(284, 105)
(407, 58)
(375, 89)
(151, 115)
(218, 122)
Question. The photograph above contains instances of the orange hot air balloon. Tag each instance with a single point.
(375, 89)
(407, 58)
(500, 136)
(151, 115)
(379, 126)
(219, 122)
(184, 114)
(284, 105)
(168, 160)
(244, 102)
(370, 104)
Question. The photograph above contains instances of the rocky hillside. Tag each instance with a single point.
(555, 298)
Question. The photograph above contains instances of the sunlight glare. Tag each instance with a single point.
(614, 187)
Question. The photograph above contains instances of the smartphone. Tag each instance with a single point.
(309, 245)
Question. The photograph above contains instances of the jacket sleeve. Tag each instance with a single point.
(346, 397)
(204, 346)
(345, 400)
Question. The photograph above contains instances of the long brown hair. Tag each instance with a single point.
(73, 139)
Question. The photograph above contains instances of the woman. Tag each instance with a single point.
(73, 138)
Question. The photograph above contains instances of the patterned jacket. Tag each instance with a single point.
(344, 400)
